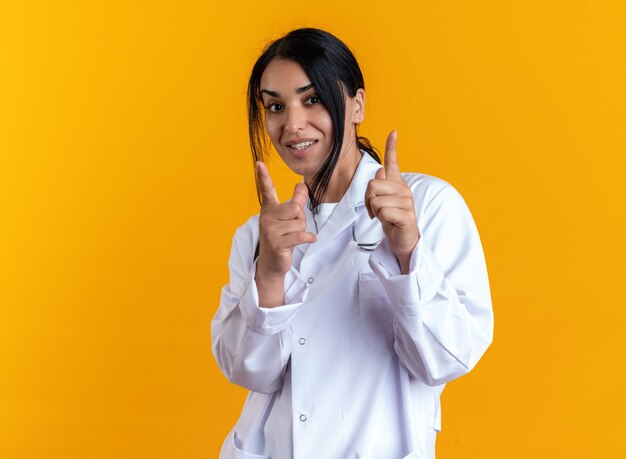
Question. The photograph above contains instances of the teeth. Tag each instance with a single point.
(302, 145)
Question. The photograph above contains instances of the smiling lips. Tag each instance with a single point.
(300, 148)
(301, 145)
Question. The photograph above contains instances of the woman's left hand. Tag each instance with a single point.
(389, 199)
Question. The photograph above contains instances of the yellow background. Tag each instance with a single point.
(125, 169)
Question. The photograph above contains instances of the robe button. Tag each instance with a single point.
(310, 280)
(302, 341)
(302, 417)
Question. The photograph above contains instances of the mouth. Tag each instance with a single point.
(301, 148)
(301, 145)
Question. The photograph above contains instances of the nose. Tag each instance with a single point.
(296, 119)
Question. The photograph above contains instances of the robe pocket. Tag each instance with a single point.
(375, 313)
(232, 450)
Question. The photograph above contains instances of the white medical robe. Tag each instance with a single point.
(353, 365)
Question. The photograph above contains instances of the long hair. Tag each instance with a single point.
(334, 73)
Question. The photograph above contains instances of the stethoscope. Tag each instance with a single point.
(363, 246)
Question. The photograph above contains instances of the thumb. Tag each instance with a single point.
(380, 174)
(300, 194)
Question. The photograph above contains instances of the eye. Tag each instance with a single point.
(313, 100)
(274, 107)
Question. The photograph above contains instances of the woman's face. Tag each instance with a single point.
(297, 122)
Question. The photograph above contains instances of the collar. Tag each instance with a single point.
(346, 211)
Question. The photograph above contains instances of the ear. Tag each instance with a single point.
(358, 106)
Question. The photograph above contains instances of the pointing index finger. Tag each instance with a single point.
(268, 191)
(392, 169)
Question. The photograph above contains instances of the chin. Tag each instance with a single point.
(304, 172)
(302, 168)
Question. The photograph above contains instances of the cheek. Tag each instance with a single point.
(272, 128)
(325, 124)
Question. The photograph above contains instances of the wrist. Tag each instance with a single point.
(269, 280)
(270, 288)
(404, 261)
(266, 275)
(404, 258)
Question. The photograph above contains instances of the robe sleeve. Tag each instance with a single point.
(443, 318)
(252, 344)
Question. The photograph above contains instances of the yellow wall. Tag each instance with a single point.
(124, 171)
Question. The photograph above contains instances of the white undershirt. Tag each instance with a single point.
(323, 214)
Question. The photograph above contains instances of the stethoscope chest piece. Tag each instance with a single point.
(366, 233)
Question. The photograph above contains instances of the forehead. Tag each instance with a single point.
(284, 76)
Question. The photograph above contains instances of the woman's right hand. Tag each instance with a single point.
(282, 226)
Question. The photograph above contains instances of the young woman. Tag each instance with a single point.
(351, 305)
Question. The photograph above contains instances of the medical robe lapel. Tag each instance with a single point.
(345, 214)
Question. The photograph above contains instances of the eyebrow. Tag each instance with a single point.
(298, 91)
